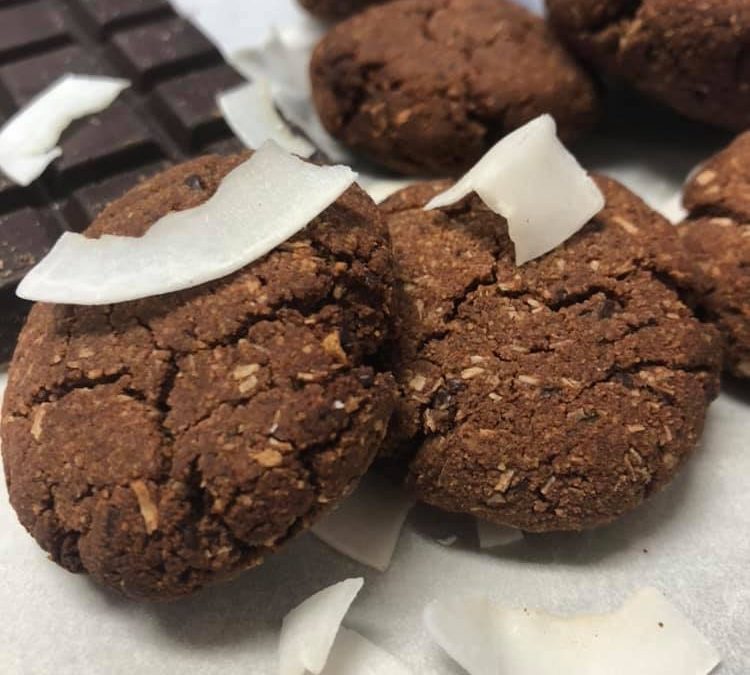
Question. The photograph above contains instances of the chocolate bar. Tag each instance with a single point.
(167, 116)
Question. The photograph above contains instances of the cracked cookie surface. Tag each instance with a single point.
(167, 443)
(716, 236)
(428, 86)
(553, 396)
(692, 56)
(337, 9)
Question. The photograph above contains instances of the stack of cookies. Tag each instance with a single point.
(167, 443)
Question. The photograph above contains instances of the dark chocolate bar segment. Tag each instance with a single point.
(13, 313)
(11, 195)
(25, 237)
(88, 202)
(187, 105)
(114, 140)
(167, 116)
(21, 80)
(104, 16)
(161, 50)
(30, 27)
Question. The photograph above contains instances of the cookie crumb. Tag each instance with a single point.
(148, 509)
(505, 480)
(705, 177)
(36, 425)
(243, 372)
(418, 382)
(626, 225)
(332, 346)
(269, 458)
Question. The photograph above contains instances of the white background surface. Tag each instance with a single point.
(692, 541)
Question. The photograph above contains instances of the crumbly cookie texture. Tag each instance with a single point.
(689, 55)
(428, 86)
(553, 396)
(337, 9)
(716, 236)
(163, 444)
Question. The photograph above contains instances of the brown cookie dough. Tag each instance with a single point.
(337, 9)
(691, 56)
(163, 444)
(428, 86)
(554, 396)
(716, 236)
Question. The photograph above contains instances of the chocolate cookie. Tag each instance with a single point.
(716, 236)
(167, 443)
(553, 396)
(337, 9)
(428, 86)
(690, 55)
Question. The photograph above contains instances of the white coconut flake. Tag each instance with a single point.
(647, 635)
(284, 61)
(28, 140)
(367, 525)
(309, 630)
(673, 209)
(353, 654)
(284, 58)
(251, 114)
(230, 26)
(301, 112)
(531, 179)
(492, 536)
(260, 204)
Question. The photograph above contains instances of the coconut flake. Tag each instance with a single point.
(284, 58)
(28, 140)
(284, 61)
(491, 535)
(260, 204)
(367, 525)
(230, 26)
(673, 209)
(353, 654)
(301, 112)
(309, 630)
(251, 115)
(647, 635)
(531, 179)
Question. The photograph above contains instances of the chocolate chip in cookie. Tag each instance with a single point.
(691, 56)
(716, 236)
(428, 86)
(553, 396)
(167, 443)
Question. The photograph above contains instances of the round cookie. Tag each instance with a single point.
(336, 9)
(691, 56)
(553, 396)
(428, 86)
(716, 236)
(164, 444)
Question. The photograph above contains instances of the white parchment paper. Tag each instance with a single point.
(692, 541)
